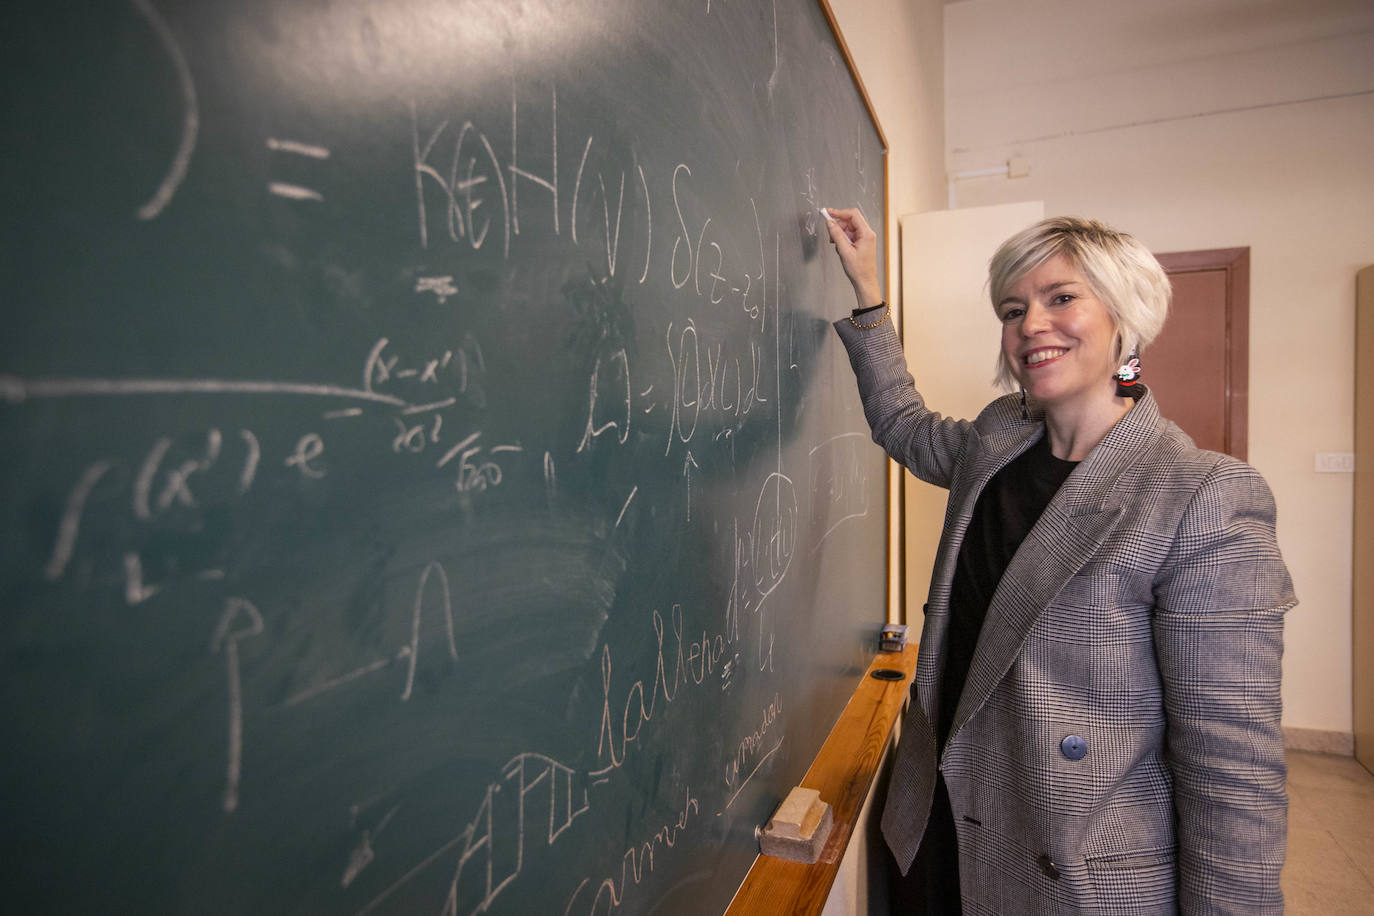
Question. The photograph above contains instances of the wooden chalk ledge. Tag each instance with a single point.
(842, 774)
(799, 828)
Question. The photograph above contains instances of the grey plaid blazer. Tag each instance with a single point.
(1117, 747)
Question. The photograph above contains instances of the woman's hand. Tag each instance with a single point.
(857, 245)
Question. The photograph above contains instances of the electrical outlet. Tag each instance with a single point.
(1335, 462)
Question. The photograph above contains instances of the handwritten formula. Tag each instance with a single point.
(430, 481)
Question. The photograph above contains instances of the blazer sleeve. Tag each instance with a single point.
(925, 442)
(1218, 631)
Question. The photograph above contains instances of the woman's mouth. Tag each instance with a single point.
(1037, 358)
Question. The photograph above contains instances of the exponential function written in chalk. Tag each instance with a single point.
(432, 483)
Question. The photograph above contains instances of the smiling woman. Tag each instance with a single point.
(1103, 590)
(1119, 271)
(1076, 300)
(1060, 343)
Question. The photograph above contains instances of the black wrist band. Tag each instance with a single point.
(867, 327)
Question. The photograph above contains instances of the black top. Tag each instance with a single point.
(1005, 512)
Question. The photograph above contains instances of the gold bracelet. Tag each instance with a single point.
(867, 327)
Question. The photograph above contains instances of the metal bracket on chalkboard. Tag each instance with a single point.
(893, 638)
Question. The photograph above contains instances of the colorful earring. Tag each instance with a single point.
(1126, 377)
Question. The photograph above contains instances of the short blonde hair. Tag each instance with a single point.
(1121, 271)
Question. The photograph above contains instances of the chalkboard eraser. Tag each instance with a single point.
(799, 828)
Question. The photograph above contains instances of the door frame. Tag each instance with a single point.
(1236, 263)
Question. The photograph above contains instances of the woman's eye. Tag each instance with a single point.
(1012, 313)
(1063, 299)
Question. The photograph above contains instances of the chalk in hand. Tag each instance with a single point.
(848, 233)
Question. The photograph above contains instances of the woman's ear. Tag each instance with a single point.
(1119, 351)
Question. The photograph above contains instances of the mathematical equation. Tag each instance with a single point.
(581, 316)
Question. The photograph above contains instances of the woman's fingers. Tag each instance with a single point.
(856, 244)
(845, 227)
(851, 221)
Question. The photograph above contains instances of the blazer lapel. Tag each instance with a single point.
(987, 454)
(1067, 535)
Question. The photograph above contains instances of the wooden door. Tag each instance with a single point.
(1198, 367)
(1363, 568)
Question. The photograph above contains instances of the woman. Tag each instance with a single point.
(1095, 725)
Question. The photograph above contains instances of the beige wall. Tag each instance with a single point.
(1211, 124)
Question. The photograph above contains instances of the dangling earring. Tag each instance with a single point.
(1025, 414)
(1126, 377)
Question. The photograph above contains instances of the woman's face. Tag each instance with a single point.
(1057, 336)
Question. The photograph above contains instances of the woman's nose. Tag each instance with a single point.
(1035, 320)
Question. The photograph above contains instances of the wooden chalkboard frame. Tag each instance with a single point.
(192, 549)
(843, 773)
(848, 764)
(896, 590)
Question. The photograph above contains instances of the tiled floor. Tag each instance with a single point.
(1330, 868)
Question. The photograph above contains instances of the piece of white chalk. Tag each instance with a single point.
(826, 214)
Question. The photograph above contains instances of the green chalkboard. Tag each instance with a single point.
(429, 481)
